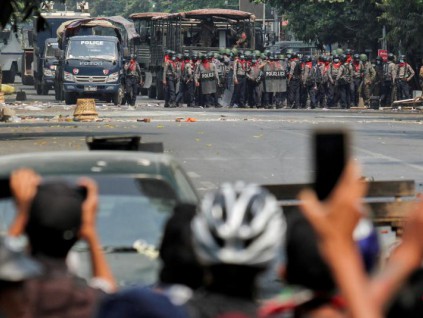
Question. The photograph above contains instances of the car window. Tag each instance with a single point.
(139, 205)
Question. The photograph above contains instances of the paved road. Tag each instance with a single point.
(264, 146)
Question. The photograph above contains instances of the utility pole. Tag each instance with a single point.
(384, 42)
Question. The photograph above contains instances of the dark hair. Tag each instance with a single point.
(305, 266)
(54, 219)
(179, 263)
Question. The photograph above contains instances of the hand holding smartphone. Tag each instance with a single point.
(330, 155)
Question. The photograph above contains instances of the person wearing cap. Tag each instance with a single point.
(133, 77)
(403, 75)
(54, 216)
(15, 269)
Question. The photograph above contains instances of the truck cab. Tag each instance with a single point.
(49, 63)
(93, 67)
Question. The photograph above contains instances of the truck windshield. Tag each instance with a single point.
(88, 49)
(50, 49)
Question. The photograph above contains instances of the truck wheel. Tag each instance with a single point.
(118, 96)
(70, 98)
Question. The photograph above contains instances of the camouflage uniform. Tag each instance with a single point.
(369, 75)
(344, 79)
(403, 74)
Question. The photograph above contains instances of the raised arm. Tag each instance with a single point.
(334, 221)
(88, 232)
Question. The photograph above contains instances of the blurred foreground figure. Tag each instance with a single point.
(180, 274)
(236, 236)
(15, 269)
(334, 221)
(54, 216)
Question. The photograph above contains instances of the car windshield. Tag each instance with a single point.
(140, 206)
(50, 50)
(92, 49)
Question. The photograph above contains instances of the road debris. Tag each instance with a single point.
(144, 120)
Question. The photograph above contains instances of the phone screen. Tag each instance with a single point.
(330, 157)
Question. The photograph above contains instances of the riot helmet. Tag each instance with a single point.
(402, 59)
(336, 59)
(356, 57)
(391, 57)
(363, 57)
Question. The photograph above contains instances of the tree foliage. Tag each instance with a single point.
(353, 23)
(404, 19)
(350, 23)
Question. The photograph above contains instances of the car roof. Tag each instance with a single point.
(93, 37)
(88, 162)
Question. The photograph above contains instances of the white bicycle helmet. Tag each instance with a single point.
(238, 224)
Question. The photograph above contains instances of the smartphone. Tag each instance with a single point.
(330, 157)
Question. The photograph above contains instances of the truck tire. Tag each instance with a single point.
(9, 76)
(70, 98)
(117, 97)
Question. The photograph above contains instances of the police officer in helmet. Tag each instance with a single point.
(133, 77)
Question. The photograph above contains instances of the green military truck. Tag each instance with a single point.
(204, 30)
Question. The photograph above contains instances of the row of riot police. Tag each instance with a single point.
(345, 79)
(190, 79)
(269, 80)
